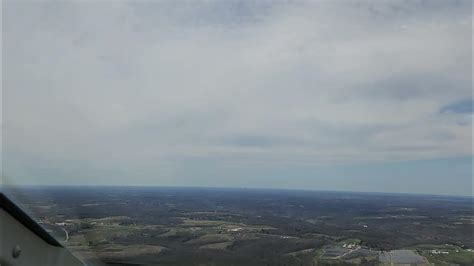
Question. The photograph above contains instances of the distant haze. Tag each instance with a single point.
(327, 95)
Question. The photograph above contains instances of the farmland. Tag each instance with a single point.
(190, 226)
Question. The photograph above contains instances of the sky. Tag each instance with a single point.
(325, 95)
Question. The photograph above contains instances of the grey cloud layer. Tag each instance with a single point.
(146, 86)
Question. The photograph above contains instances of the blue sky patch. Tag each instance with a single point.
(460, 107)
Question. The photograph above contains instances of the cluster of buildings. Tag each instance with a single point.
(350, 246)
(437, 252)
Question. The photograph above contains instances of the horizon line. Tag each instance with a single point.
(242, 188)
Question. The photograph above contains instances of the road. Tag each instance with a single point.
(67, 235)
(347, 253)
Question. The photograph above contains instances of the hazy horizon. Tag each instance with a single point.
(363, 96)
(20, 188)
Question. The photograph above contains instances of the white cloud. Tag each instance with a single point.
(127, 84)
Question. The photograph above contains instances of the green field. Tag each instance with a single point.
(456, 254)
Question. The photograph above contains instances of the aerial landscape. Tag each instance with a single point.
(223, 226)
(242, 132)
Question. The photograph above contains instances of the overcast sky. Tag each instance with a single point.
(330, 95)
